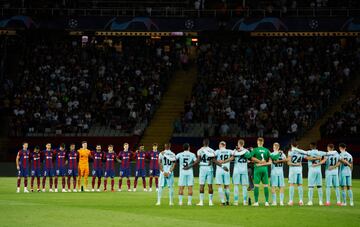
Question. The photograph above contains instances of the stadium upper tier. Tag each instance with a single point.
(266, 86)
(346, 122)
(71, 88)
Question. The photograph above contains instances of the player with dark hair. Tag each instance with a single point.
(73, 158)
(154, 166)
(186, 177)
(125, 157)
(332, 163)
(110, 158)
(48, 155)
(295, 158)
(35, 159)
(60, 169)
(22, 165)
(167, 163)
(205, 155)
(98, 157)
(140, 156)
(345, 174)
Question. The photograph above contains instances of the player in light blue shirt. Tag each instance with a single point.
(295, 158)
(167, 163)
(345, 174)
(223, 156)
(314, 156)
(205, 157)
(186, 177)
(277, 174)
(332, 163)
(240, 173)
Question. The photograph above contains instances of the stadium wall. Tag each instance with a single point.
(145, 23)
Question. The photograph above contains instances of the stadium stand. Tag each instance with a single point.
(69, 88)
(272, 87)
(344, 123)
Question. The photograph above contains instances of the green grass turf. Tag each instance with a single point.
(138, 209)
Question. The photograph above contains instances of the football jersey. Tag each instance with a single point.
(205, 154)
(315, 153)
(48, 159)
(167, 159)
(35, 160)
(125, 157)
(240, 160)
(60, 156)
(296, 158)
(140, 160)
(345, 170)
(277, 168)
(73, 156)
(98, 157)
(24, 156)
(333, 158)
(110, 161)
(223, 154)
(261, 153)
(154, 159)
(185, 158)
(84, 157)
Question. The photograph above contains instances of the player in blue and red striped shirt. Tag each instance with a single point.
(125, 157)
(35, 159)
(98, 157)
(60, 169)
(48, 167)
(22, 165)
(110, 158)
(73, 158)
(140, 157)
(154, 166)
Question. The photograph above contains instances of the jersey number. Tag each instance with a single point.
(167, 162)
(185, 160)
(295, 159)
(242, 160)
(279, 164)
(203, 158)
(333, 161)
(224, 157)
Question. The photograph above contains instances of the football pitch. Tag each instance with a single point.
(138, 209)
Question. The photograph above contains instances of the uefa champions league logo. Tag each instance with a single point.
(189, 24)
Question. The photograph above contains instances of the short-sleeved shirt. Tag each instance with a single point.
(315, 153)
(295, 158)
(261, 153)
(345, 170)
(167, 158)
(223, 154)
(333, 158)
(185, 158)
(240, 161)
(205, 154)
(277, 168)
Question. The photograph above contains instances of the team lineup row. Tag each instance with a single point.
(75, 164)
(338, 168)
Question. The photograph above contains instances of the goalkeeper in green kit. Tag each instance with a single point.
(262, 158)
